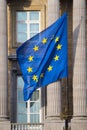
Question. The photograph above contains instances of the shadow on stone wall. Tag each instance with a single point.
(26, 3)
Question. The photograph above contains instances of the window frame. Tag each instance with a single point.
(12, 7)
(28, 105)
(12, 21)
(15, 71)
(28, 23)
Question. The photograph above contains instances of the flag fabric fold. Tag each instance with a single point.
(43, 58)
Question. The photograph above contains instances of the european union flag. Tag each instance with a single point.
(43, 58)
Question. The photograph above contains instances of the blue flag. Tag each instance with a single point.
(43, 58)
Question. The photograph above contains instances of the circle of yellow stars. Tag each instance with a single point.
(50, 67)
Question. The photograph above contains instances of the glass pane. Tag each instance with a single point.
(34, 15)
(34, 107)
(35, 96)
(32, 34)
(20, 95)
(34, 27)
(21, 107)
(22, 118)
(21, 37)
(20, 82)
(34, 118)
(21, 27)
(21, 16)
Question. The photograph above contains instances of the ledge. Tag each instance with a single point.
(12, 57)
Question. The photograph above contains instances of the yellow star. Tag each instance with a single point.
(56, 58)
(35, 78)
(59, 46)
(44, 40)
(35, 48)
(50, 68)
(30, 58)
(42, 75)
(57, 39)
(29, 69)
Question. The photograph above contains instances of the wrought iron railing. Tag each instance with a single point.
(27, 126)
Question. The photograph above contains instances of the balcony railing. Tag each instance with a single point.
(28, 126)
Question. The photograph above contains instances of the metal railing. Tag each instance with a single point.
(27, 126)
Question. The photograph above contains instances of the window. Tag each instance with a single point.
(27, 25)
(24, 21)
(29, 111)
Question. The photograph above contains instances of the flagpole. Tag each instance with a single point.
(66, 124)
(65, 103)
(67, 117)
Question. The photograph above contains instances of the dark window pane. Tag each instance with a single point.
(34, 107)
(35, 96)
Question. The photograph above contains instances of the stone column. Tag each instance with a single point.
(4, 125)
(53, 121)
(79, 121)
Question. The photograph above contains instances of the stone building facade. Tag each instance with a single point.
(61, 104)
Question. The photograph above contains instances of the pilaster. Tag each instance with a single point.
(4, 123)
(79, 66)
(53, 120)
